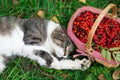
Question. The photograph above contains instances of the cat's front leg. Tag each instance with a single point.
(46, 59)
(2, 64)
(70, 64)
(54, 62)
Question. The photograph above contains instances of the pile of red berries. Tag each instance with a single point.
(107, 34)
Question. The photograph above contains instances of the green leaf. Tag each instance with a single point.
(104, 53)
(114, 49)
(118, 57)
(117, 52)
(108, 55)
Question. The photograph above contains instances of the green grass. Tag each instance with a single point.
(25, 69)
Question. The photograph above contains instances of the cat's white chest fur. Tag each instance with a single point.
(11, 43)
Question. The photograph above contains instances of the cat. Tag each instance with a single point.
(38, 39)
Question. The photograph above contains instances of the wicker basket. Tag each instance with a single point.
(85, 49)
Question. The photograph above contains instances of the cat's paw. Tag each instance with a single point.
(84, 64)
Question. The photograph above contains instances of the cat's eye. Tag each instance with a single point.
(65, 44)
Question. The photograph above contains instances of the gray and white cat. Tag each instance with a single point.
(37, 39)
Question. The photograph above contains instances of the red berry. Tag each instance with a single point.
(106, 35)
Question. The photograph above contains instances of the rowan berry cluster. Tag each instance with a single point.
(107, 34)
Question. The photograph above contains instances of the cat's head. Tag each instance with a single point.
(62, 43)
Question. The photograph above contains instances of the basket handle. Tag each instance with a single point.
(95, 25)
